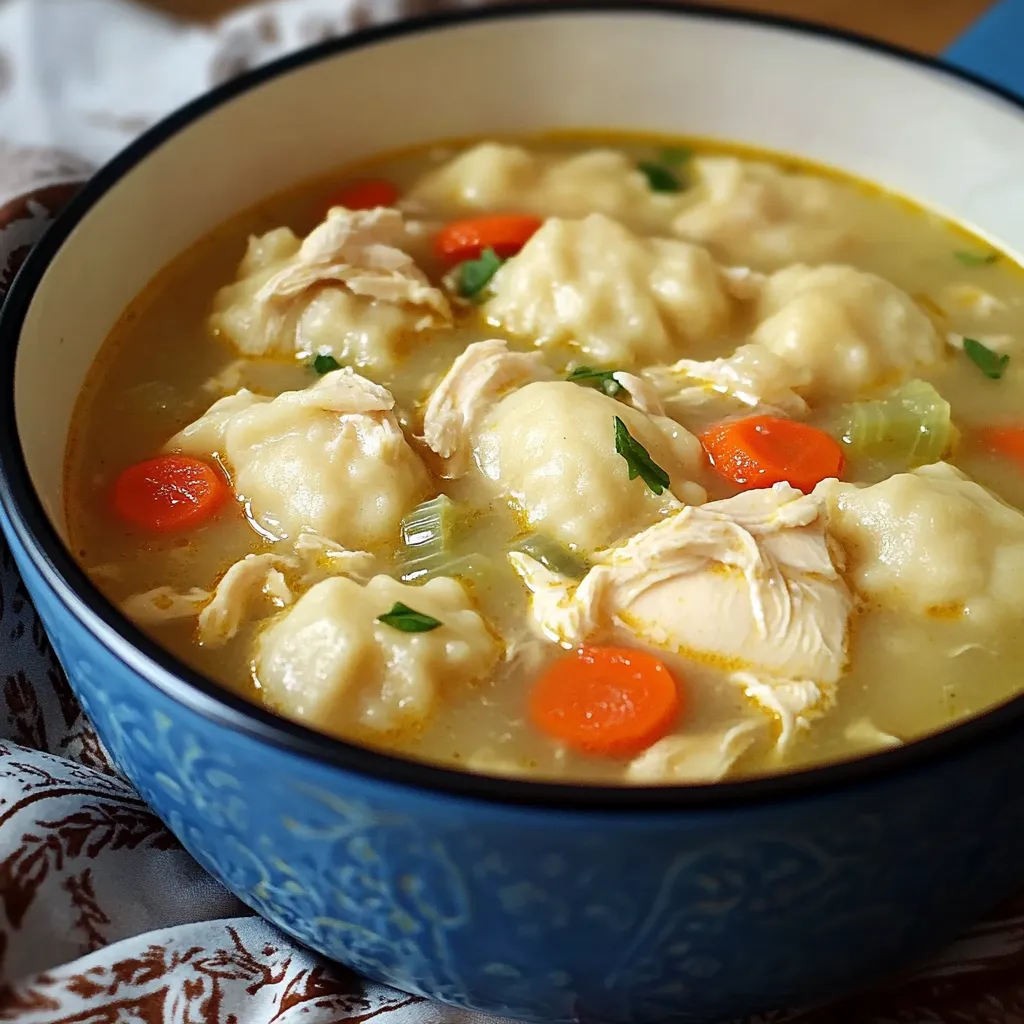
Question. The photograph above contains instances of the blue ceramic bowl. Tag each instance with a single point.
(545, 902)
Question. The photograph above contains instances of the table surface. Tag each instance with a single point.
(924, 25)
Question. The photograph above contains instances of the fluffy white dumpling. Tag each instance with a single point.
(328, 662)
(619, 298)
(348, 289)
(550, 447)
(932, 542)
(749, 585)
(754, 214)
(851, 330)
(330, 460)
(494, 176)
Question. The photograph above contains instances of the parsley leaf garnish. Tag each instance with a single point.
(659, 177)
(325, 363)
(603, 379)
(473, 276)
(992, 364)
(975, 259)
(408, 620)
(638, 460)
(674, 156)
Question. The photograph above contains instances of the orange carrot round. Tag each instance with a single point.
(1006, 441)
(505, 233)
(763, 450)
(366, 195)
(609, 701)
(170, 492)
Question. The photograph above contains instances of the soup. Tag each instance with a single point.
(602, 459)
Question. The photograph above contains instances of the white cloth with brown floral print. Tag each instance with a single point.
(103, 917)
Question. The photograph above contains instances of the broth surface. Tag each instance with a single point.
(908, 674)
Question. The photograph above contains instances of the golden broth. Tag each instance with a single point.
(907, 676)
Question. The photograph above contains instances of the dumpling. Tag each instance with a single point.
(329, 661)
(348, 289)
(330, 460)
(550, 448)
(752, 213)
(851, 330)
(619, 298)
(753, 377)
(494, 176)
(749, 585)
(931, 542)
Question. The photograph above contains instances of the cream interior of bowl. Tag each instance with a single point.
(948, 144)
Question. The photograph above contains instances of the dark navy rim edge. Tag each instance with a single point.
(180, 683)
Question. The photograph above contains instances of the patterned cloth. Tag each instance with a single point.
(103, 917)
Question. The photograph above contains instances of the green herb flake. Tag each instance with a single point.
(325, 363)
(992, 364)
(659, 177)
(408, 620)
(473, 276)
(603, 379)
(639, 460)
(675, 156)
(975, 259)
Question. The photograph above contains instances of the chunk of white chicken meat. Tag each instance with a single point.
(851, 330)
(232, 603)
(330, 661)
(754, 214)
(932, 542)
(550, 447)
(749, 586)
(348, 289)
(753, 377)
(496, 176)
(330, 459)
(617, 297)
(474, 383)
(695, 757)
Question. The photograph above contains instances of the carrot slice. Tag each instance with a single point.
(763, 450)
(170, 492)
(1006, 441)
(606, 700)
(505, 233)
(366, 195)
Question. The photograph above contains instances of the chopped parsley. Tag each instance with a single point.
(473, 276)
(639, 460)
(675, 156)
(603, 379)
(408, 620)
(992, 364)
(659, 177)
(975, 259)
(325, 363)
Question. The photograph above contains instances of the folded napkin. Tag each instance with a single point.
(103, 917)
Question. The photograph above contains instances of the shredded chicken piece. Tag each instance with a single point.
(337, 560)
(477, 379)
(246, 580)
(753, 375)
(865, 733)
(164, 604)
(701, 757)
(749, 585)
(359, 249)
(795, 702)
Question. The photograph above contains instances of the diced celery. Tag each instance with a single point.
(912, 425)
(552, 555)
(427, 530)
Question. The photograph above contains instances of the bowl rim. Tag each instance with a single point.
(52, 559)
